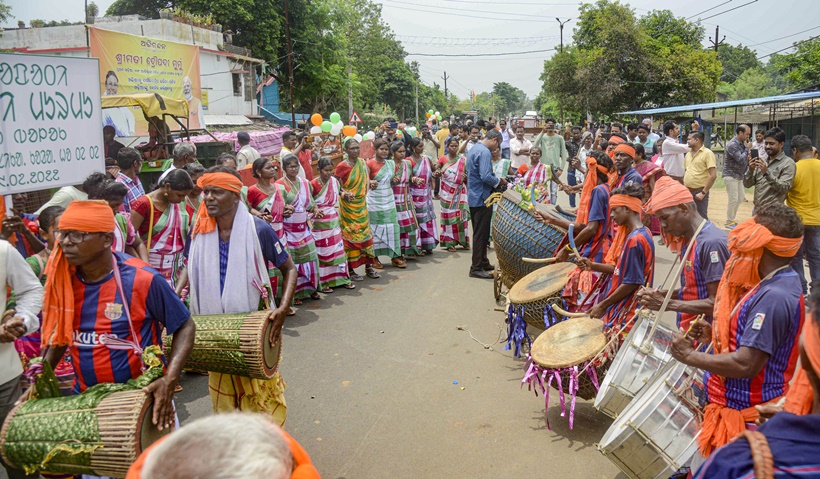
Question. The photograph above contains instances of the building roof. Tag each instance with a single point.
(725, 104)
(227, 120)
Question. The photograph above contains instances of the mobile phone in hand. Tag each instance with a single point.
(755, 154)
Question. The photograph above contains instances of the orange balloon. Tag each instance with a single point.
(349, 130)
(428, 115)
(316, 119)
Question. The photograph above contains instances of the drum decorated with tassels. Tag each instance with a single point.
(518, 234)
(96, 434)
(233, 344)
(532, 296)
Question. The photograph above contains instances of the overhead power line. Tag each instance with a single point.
(787, 36)
(790, 47)
(531, 18)
(727, 11)
(473, 41)
(478, 54)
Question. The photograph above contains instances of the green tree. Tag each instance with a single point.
(801, 68)
(665, 27)
(508, 99)
(736, 60)
(146, 8)
(5, 13)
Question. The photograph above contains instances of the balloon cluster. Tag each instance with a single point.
(434, 115)
(334, 125)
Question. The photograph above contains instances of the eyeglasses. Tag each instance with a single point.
(74, 237)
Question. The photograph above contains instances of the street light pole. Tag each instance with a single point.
(561, 26)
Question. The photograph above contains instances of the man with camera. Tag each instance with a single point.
(431, 143)
(772, 178)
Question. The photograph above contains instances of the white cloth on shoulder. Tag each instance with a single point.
(245, 263)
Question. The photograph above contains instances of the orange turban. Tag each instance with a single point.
(58, 304)
(746, 243)
(668, 193)
(615, 139)
(226, 181)
(800, 399)
(618, 242)
(590, 182)
(626, 148)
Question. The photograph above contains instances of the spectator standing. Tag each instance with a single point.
(246, 154)
(553, 153)
(632, 132)
(441, 136)
(652, 135)
(760, 145)
(519, 148)
(674, 153)
(644, 139)
(573, 148)
(734, 166)
(506, 135)
(431, 143)
(700, 173)
(480, 183)
(772, 178)
(130, 162)
(804, 197)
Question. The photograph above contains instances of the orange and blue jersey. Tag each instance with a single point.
(636, 265)
(596, 248)
(99, 309)
(768, 318)
(631, 176)
(793, 440)
(703, 266)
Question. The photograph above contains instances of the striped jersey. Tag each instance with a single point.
(703, 265)
(99, 309)
(768, 318)
(596, 248)
(636, 265)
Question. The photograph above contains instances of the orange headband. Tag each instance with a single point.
(668, 193)
(58, 301)
(204, 222)
(615, 139)
(746, 242)
(626, 148)
(630, 202)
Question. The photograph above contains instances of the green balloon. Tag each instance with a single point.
(335, 118)
(327, 126)
(431, 111)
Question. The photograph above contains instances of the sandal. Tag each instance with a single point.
(291, 312)
(466, 247)
(297, 302)
(451, 249)
(371, 273)
(327, 290)
(422, 254)
(378, 265)
(399, 262)
(355, 276)
(315, 295)
(350, 286)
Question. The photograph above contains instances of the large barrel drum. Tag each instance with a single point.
(518, 234)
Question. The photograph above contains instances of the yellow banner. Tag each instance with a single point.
(131, 64)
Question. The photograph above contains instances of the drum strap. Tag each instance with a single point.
(762, 458)
(113, 342)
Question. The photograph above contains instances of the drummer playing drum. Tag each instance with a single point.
(759, 312)
(593, 237)
(630, 260)
(673, 205)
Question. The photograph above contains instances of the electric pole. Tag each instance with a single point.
(445, 77)
(350, 91)
(290, 66)
(561, 26)
(715, 43)
(417, 104)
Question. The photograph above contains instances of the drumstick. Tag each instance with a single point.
(560, 311)
(571, 239)
(544, 260)
(692, 325)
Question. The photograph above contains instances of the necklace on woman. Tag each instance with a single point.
(293, 186)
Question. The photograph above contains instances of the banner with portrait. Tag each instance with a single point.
(132, 64)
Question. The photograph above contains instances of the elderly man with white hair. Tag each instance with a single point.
(652, 135)
(184, 153)
(226, 446)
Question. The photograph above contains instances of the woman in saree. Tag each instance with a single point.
(353, 215)
(301, 245)
(422, 193)
(162, 223)
(327, 232)
(195, 171)
(453, 196)
(650, 172)
(405, 212)
(267, 203)
(538, 174)
(501, 165)
(381, 205)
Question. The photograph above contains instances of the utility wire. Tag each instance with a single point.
(450, 10)
(781, 38)
(477, 54)
(790, 47)
(464, 15)
(727, 11)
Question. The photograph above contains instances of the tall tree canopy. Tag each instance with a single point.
(802, 67)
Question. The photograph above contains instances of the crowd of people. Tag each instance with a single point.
(108, 266)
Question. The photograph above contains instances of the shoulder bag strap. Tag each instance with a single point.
(150, 222)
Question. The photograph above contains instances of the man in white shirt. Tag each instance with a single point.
(184, 153)
(760, 145)
(673, 152)
(519, 148)
(28, 292)
(63, 197)
(246, 154)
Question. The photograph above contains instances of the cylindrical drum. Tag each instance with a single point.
(233, 344)
(518, 234)
(100, 435)
(537, 291)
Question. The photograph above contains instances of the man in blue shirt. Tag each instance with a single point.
(480, 183)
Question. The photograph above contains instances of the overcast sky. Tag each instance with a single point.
(471, 27)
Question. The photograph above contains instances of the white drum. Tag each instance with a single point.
(657, 432)
(639, 359)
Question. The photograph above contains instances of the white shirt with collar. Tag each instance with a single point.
(517, 145)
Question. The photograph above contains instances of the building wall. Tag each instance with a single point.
(217, 68)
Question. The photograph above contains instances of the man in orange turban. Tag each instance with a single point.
(672, 204)
(630, 260)
(793, 437)
(759, 311)
(228, 273)
(110, 307)
(243, 445)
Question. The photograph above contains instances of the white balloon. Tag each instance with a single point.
(357, 137)
(315, 130)
(337, 128)
(340, 124)
(438, 114)
(369, 135)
